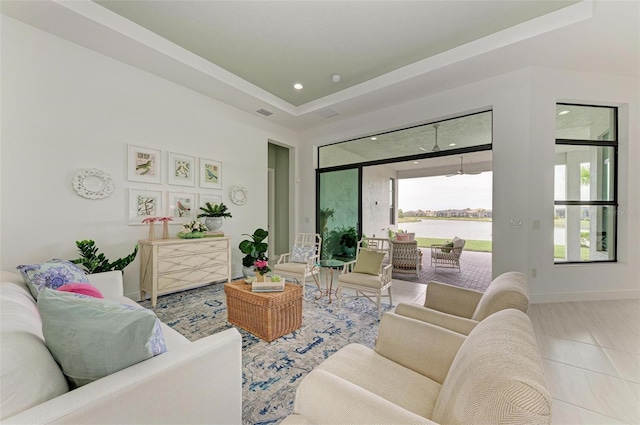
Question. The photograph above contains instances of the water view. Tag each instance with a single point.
(447, 229)
(474, 230)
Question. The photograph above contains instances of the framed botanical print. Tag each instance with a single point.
(143, 164)
(204, 198)
(210, 174)
(182, 207)
(144, 204)
(181, 169)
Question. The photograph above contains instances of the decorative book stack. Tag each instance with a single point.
(213, 234)
(269, 285)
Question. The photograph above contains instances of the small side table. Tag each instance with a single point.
(328, 266)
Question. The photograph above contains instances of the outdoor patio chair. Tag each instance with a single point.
(407, 257)
(447, 255)
(300, 263)
(368, 275)
(461, 309)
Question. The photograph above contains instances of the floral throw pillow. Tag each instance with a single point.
(52, 274)
(301, 254)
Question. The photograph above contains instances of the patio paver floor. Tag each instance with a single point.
(475, 271)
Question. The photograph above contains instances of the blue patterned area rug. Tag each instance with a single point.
(272, 371)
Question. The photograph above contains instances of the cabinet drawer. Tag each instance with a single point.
(188, 278)
(195, 261)
(191, 248)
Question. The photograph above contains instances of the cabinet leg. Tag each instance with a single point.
(154, 300)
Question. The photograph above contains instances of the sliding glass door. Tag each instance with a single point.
(339, 211)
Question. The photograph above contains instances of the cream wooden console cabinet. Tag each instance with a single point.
(170, 265)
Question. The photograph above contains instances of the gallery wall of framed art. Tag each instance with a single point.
(188, 173)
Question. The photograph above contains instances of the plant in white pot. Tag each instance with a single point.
(214, 214)
(254, 249)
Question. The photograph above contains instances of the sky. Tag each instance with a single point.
(442, 193)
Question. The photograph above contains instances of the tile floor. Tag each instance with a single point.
(590, 353)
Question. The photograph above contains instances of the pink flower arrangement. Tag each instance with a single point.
(150, 220)
(261, 266)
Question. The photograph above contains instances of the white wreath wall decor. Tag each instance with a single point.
(239, 195)
(92, 183)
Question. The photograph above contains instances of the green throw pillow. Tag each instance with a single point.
(447, 247)
(91, 337)
(369, 262)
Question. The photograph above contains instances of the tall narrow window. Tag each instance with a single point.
(392, 204)
(585, 183)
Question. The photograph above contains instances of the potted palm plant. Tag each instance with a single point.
(214, 214)
(254, 249)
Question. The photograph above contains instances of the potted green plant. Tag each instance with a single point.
(95, 262)
(348, 241)
(254, 249)
(214, 214)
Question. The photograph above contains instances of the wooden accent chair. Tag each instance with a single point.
(447, 255)
(407, 257)
(300, 263)
(368, 275)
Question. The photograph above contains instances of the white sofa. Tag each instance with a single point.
(192, 383)
(420, 373)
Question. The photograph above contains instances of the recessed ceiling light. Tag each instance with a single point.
(415, 162)
(298, 86)
(374, 138)
(336, 78)
(422, 149)
(452, 144)
(565, 112)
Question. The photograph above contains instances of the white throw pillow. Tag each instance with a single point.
(457, 242)
(301, 254)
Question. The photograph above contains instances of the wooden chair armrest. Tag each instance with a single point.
(284, 258)
(348, 266)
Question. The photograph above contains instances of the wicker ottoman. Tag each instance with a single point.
(267, 315)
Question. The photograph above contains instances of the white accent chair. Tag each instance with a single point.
(368, 282)
(461, 309)
(447, 256)
(419, 373)
(300, 263)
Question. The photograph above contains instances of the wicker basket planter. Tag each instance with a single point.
(267, 315)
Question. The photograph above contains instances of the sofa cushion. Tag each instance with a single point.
(52, 274)
(368, 262)
(457, 242)
(91, 338)
(447, 247)
(29, 375)
(497, 376)
(361, 279)
(301, 254)
(81, 288)
(295, 268)
(384, 378)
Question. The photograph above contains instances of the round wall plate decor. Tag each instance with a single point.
(239, 195)
(93, 183)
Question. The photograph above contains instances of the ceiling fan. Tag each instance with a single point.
(461, 172)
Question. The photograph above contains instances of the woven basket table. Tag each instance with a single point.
(267, 315)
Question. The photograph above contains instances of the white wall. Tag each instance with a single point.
(375, 201)
(65, 108)
(523, 158)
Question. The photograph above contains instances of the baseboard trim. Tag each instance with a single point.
(585, 296)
